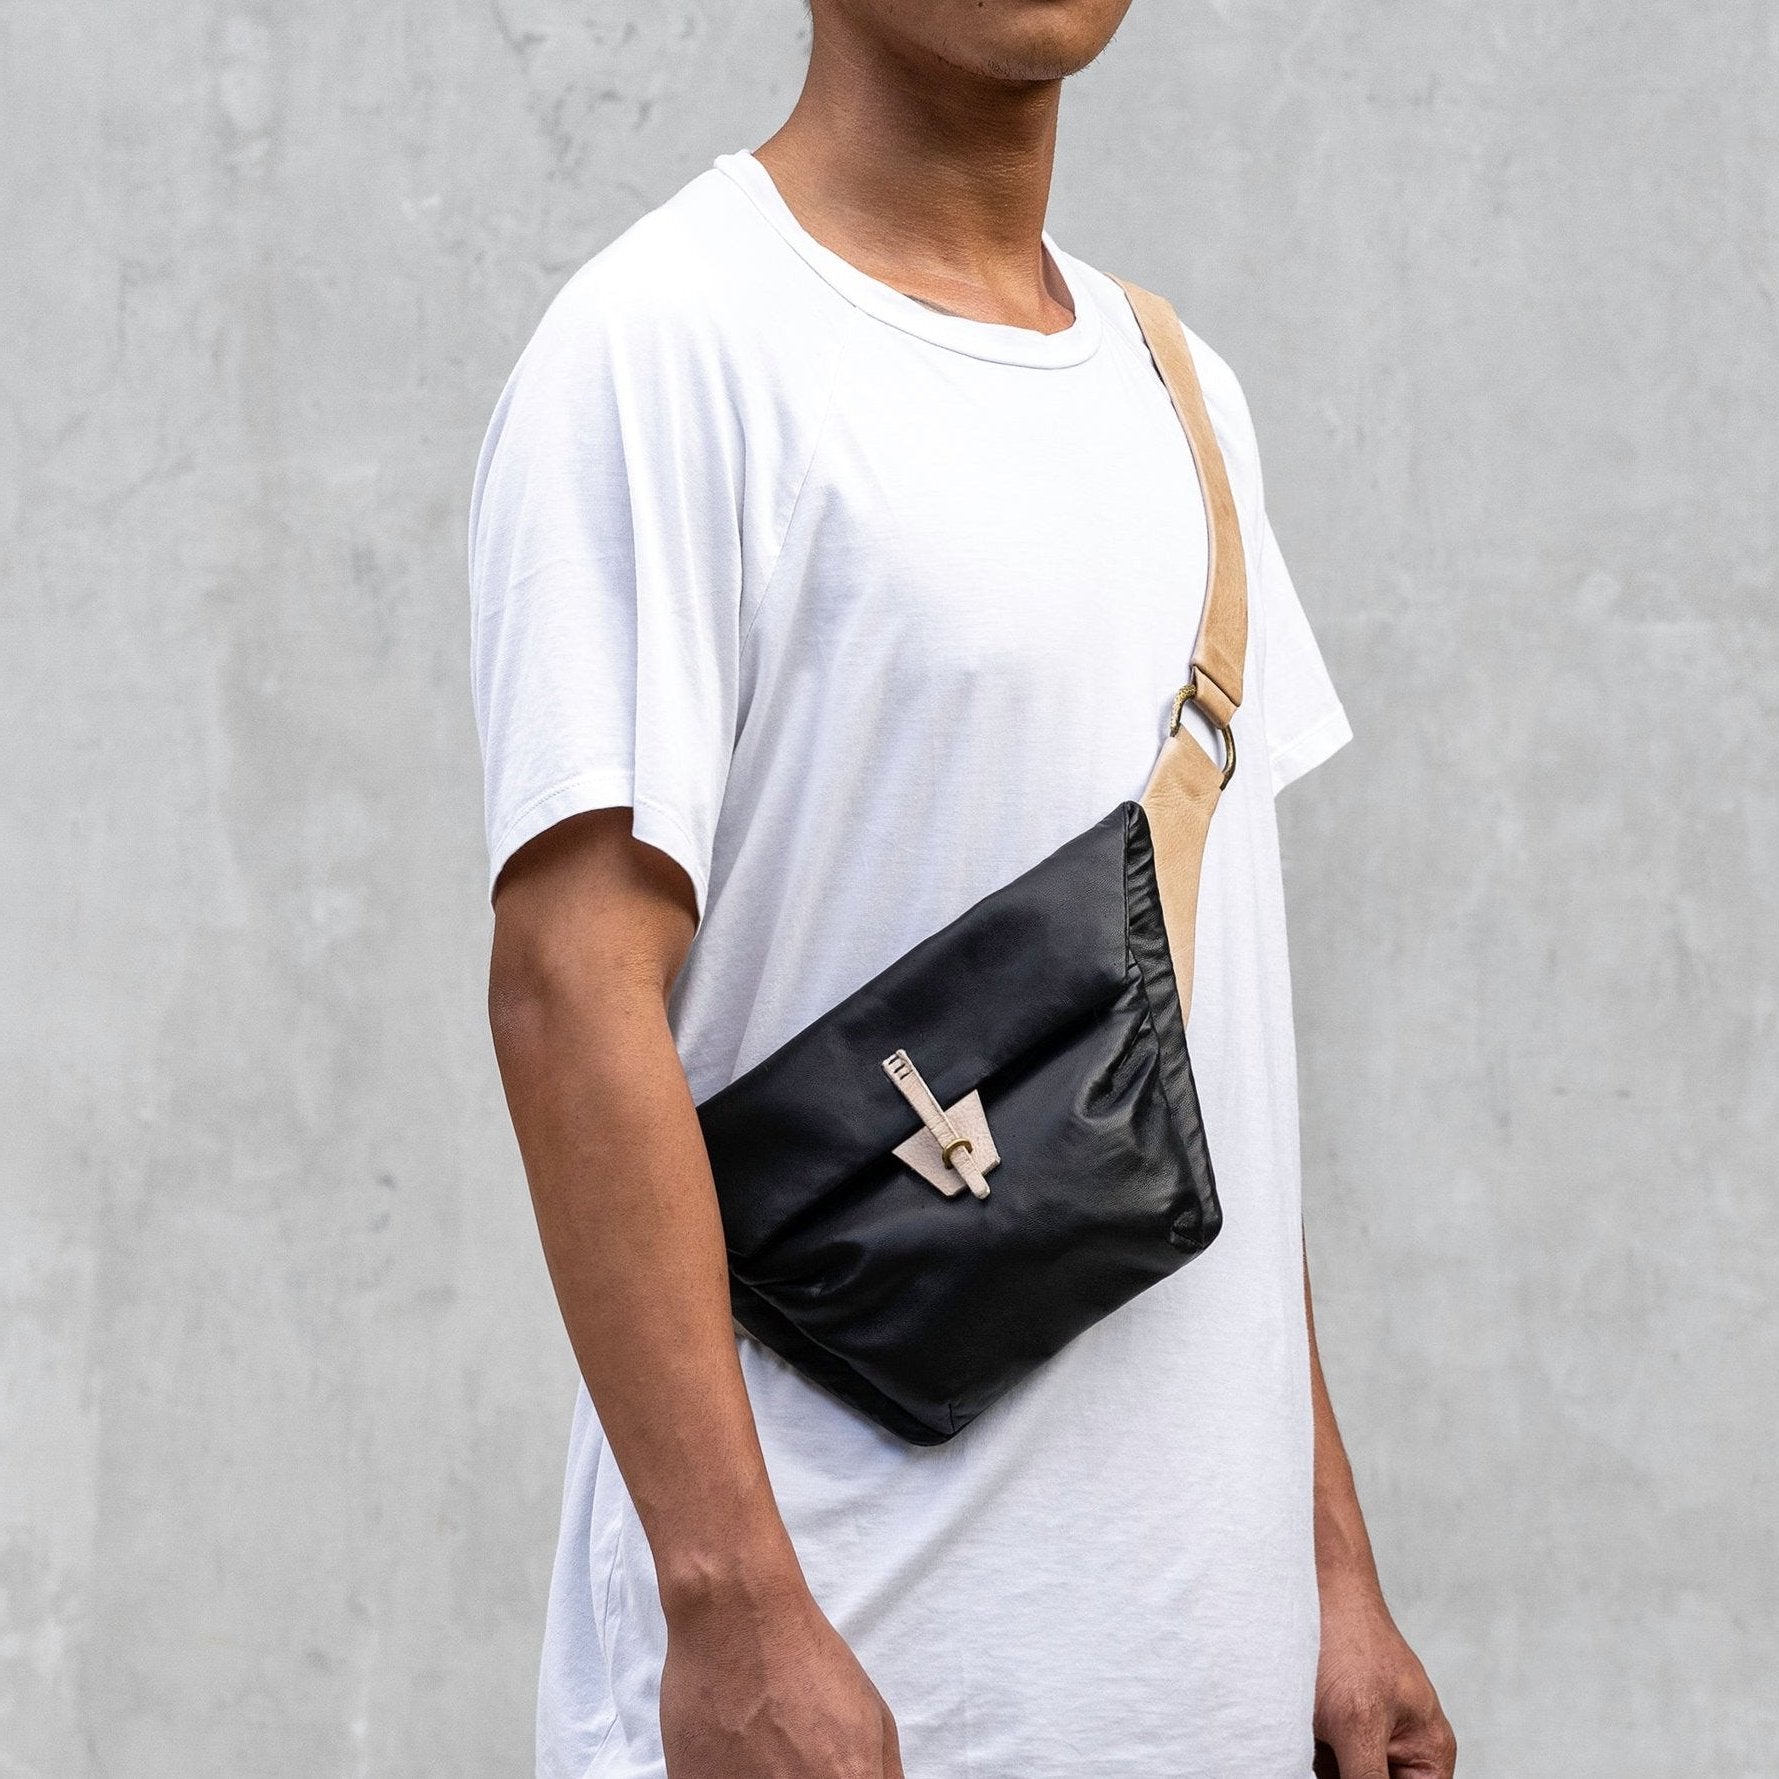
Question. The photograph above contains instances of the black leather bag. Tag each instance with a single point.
(996, 1142)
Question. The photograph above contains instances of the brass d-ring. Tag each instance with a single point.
(1188, 694)
(953, 1146)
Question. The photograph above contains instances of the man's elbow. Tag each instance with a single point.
(548, 989)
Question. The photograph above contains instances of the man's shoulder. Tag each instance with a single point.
(701, 275)
(1225, 400)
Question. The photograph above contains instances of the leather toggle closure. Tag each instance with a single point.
(953, 1148)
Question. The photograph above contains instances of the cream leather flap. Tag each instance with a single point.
(921, 1151)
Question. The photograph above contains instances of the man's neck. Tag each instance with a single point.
(930, 179)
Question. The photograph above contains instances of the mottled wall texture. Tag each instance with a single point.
(282, 1394)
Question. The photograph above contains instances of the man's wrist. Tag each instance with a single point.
(748, 1574)
(1349, 1581)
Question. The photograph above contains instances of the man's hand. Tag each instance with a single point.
(1377, 1715)
(764, 1688)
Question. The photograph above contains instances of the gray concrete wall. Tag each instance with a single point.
(282, 1396)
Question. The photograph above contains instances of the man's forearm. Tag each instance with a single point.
(1343, 1546)
(627, 1214)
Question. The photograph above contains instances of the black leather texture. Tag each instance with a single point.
(1054, 998)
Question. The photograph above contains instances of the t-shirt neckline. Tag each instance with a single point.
(990, 340)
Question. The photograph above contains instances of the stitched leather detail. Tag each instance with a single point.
(922, 1153)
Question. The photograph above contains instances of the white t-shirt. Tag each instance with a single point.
(863, 609)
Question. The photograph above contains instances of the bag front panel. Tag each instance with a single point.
(943, 1303)
(1054, 1001)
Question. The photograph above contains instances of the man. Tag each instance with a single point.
(836, 554)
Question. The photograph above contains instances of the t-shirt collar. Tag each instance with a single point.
(979, 339)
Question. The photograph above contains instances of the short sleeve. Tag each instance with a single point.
(605, 564)
(1302, 714)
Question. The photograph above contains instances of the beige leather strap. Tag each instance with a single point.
(1184, 786)
(1222, 643)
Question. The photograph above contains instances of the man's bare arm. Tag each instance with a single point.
(1377, 1715)
(591, 928)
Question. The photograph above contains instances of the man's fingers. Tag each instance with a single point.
(1429, 1751)
(1366, 1744)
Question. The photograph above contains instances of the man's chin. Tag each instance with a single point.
(1024, 64)
(1028, 42)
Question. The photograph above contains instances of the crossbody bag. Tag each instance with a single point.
(996, 1141)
